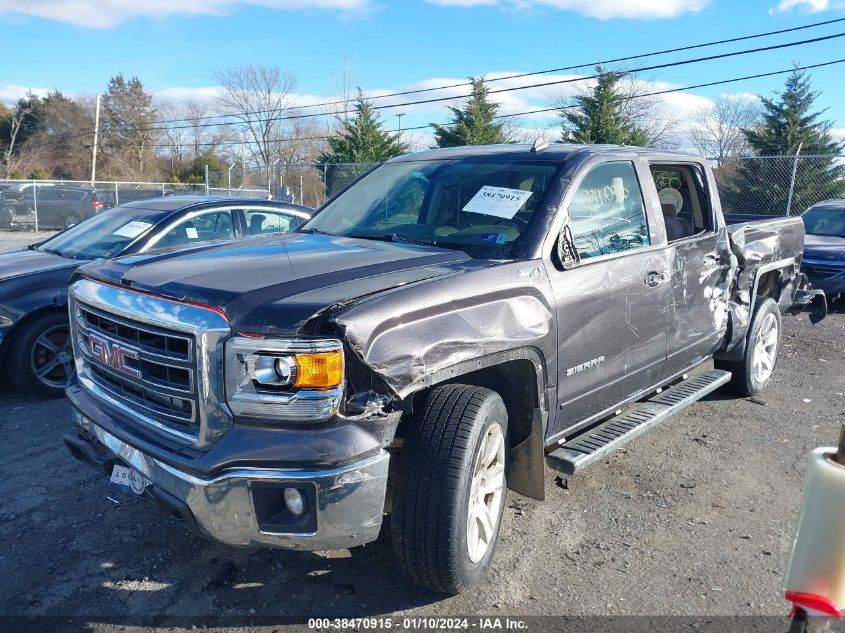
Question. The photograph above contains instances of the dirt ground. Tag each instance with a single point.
(694, 518)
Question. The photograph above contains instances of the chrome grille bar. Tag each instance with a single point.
(169, 372)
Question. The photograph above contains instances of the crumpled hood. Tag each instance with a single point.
(27, 262)
(824, 247)
(275, 284)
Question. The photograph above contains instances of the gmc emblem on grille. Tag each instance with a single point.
(113, 354)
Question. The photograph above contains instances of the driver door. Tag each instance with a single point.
(612, 306)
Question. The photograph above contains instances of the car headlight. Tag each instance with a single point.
(292, 380)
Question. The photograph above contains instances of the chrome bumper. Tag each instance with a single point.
(349, 507)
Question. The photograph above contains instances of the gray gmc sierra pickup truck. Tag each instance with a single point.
(442, 330)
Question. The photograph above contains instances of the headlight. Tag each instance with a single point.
(290, 380)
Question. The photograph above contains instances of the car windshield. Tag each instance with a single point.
(481, 207)
(104, 235)
(825, 221)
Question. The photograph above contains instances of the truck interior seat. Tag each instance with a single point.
(675, 229)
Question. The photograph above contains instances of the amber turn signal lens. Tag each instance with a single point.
(321, 371)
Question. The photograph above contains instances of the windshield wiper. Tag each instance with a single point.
(390, 237)
(313, 232)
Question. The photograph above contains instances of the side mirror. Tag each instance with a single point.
(567, 254)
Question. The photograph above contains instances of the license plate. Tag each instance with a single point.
(127, 480)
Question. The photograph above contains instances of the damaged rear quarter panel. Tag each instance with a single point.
(758, 247)
(408, 335)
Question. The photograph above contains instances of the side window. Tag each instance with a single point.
(607, 214)
(682, 200)
(268, 221)
(215, 225)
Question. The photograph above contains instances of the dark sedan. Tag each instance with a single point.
(824, 246)
(34, 334)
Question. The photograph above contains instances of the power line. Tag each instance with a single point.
(554, 109)
(527, 74)
(674, 64)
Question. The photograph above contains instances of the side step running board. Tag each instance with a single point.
(585, 448)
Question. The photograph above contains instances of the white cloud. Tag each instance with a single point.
(599, 9)
(108, 13)
(10, 93)
(810, 6)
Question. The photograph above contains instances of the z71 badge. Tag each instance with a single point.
(588, 365)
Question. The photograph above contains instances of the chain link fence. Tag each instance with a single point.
(758, 185)
(778, 185)
(308, 184)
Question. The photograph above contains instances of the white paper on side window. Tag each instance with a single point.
(132, 229)
(497, 201)
(191, 232)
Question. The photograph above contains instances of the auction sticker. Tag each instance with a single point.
(132, 229)
(125, 480)
(497, 201)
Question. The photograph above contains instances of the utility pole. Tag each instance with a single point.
(96, 136)
(399, 132)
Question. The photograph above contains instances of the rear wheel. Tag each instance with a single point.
(41, 358)
(451, 488)
(751, 374)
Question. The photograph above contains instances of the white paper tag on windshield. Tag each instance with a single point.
(191, 232)
(132, 229)
(497, 201)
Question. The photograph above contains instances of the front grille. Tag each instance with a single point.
(157, 373)
(821, 271)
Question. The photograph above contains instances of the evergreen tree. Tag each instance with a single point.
(360, 139)
(129, 131)
(762, 185)
(598, 116)
(474, 123)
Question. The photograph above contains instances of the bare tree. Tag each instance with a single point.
(16, 118)
(716, 131)
(259, 97)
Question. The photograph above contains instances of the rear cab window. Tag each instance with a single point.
(684, 204)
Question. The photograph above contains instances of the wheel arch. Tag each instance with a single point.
(519, 376)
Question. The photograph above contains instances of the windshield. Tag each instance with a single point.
(825, 221)
(104, 235)
(479, 207)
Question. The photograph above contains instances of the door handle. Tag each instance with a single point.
(654, 278)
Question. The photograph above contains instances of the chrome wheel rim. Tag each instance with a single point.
(487, 493)
(765, 349)
(51, 358)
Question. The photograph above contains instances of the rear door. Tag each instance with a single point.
(612, 306)
(700, 263)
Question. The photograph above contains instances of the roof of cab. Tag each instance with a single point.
(523, 151)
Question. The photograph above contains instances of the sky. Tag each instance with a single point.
(384, 46)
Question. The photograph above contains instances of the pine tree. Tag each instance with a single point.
(360, 139)
(762, 185)
(598, 116)
(474, 123)
(129, 131)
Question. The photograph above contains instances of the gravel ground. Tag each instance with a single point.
(694, 518)
(13, 240)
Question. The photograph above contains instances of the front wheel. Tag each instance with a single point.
(751, 374)
(451, 487)
(40, 356)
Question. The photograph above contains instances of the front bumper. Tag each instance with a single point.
(348, 507)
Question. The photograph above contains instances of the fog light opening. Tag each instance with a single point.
(295, 501)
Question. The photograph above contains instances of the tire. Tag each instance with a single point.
(751, 374)
(440, 470)
(41, 342)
